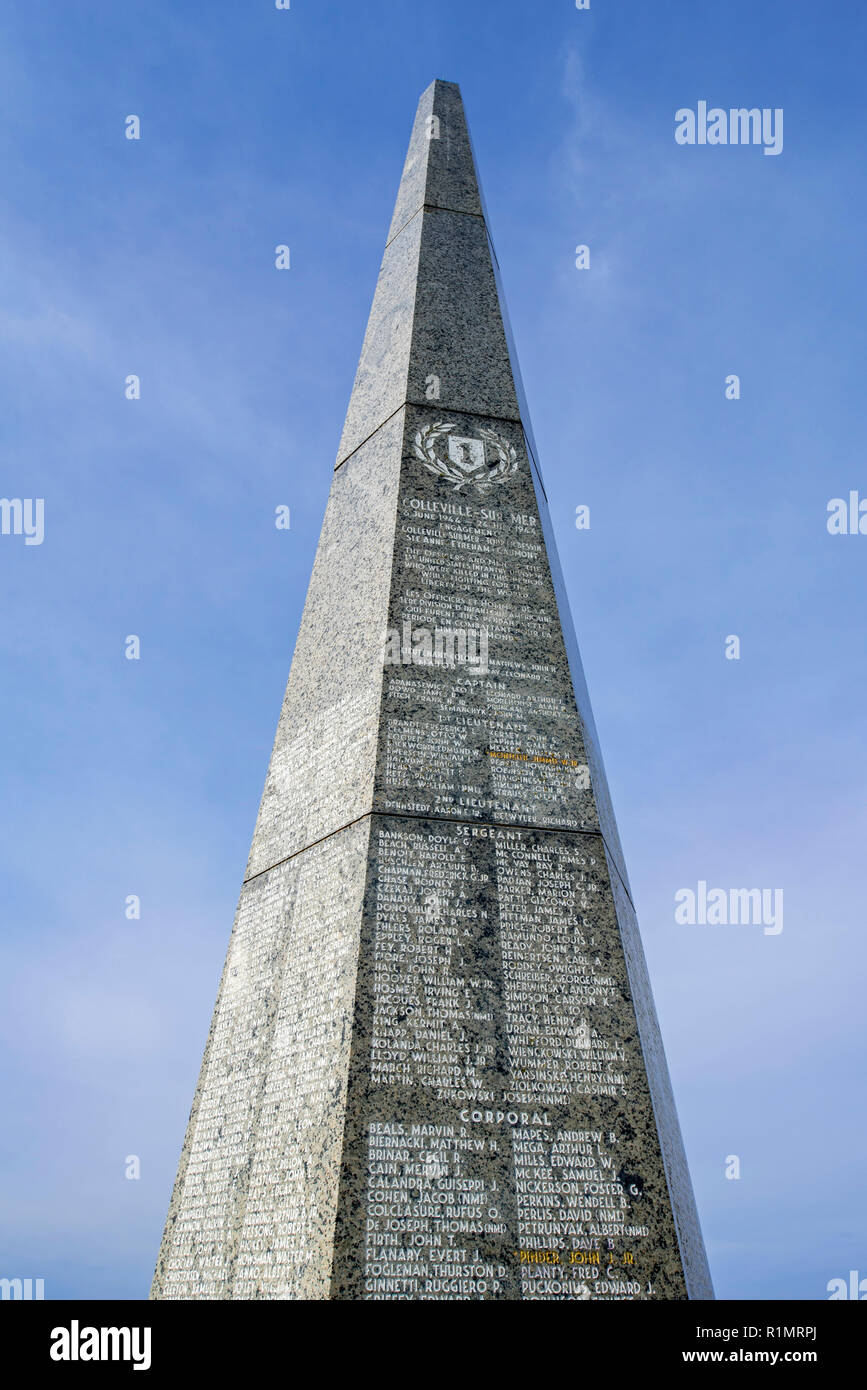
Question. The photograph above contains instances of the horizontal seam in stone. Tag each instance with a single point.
(437, 207)
(449, 410)
(312, 845)
(368, 437)
(413, 815)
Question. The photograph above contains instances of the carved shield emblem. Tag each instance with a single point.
(468, 454)
(463, 460)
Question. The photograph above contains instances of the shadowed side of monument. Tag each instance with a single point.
(434, 1069)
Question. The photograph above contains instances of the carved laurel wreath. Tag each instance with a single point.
(425, 449)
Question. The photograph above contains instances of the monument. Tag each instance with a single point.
(434, 1069)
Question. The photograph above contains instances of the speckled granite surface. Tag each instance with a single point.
(434, 1069)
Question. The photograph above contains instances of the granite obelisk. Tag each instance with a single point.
(434, 1069)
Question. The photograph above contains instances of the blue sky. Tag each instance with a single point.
(708, 518)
